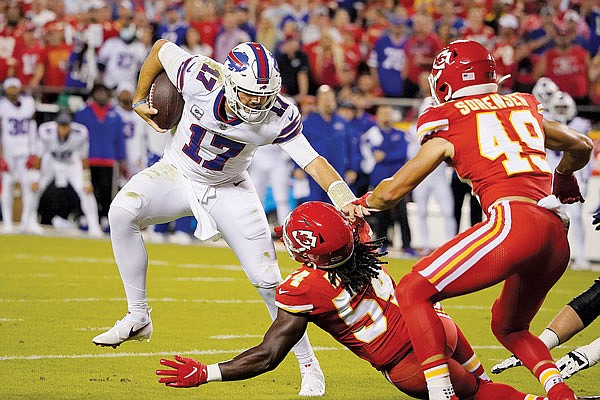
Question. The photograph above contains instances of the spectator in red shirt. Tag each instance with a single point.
(326, 59)
(420, 48)
(54, 59)
(9, 36)
(567, 64)
(202, 15)
(28, 66)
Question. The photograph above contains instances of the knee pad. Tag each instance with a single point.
(130, 201)
(265, 275)
(587, 304)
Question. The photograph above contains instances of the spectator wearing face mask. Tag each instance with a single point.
(120, 58)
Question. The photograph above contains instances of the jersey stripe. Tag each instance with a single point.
(430, 127)
(294, 309)
(262, 65)
(289, 131)
(181, 73)
(463, 255)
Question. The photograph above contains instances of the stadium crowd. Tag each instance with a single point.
(342, 62)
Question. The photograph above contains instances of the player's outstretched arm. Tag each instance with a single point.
(389, 191)
(284, 333)
(337, 190)
(149, 71)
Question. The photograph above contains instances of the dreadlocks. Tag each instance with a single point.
(364, 264)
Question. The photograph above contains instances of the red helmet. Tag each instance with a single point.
(318, 233)
(463, 68)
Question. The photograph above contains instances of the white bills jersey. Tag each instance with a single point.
(210, 146)
(134, 130)
(18, 126)
(72, 150)
(122, 61)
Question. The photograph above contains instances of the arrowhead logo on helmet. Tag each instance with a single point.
(305, 238)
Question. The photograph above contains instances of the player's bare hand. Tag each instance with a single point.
(185, 372)
(88, 188)
(146, 112)
(35, 186)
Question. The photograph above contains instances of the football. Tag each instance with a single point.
(167, 100)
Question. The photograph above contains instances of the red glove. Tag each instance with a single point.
(362, 229)
(33, 162)
(566, 188)
(186, 373)
(3, 165)
(362, 200)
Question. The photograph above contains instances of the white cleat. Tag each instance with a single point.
(313, 380)
(510, 362)
(572, 363)
(125, 329)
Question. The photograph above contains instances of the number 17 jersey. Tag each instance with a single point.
(498, 144)
(209, 145)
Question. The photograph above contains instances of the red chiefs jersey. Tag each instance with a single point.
(369, 323)
(498, 144)
(568, 70)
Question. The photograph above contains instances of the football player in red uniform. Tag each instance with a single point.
(496, 142)
(344, 290)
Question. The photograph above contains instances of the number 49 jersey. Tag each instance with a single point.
(209, 145)
(369, 323)
(498, 144)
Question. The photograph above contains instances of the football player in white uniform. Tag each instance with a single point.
(436, 184)
(64, 151)
(562, 108)
(18, 131)
(230, 110)
(134, 128)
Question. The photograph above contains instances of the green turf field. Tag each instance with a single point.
(57, 293)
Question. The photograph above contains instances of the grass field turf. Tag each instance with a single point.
(57, 293)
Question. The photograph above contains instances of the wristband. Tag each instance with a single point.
(138, 103)
(87, 176)
(340, 194)
(213, 373)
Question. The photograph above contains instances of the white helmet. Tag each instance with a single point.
(252, 69)
(562, 107)
(543, 90)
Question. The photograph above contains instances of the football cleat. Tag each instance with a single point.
(572, 363)
(125, 329)
(510, 362)
(313, 380)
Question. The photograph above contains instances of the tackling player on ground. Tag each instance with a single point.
(230, 109)
(497, 143)
(343, 289)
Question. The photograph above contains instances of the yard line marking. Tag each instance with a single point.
(122, 299)
(204, 279)
(94, 260)
(129, 354)
(11, 319)
(228, 337)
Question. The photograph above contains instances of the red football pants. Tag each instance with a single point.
(523, 245)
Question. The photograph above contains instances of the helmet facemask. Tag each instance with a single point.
(244, 112)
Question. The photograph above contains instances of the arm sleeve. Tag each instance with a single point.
(299, 150)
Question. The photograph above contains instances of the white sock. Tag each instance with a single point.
(591, 351)
(213, 373)
(303, 350)
(132, 260)
(550, 338)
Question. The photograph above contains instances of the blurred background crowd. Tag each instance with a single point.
(357, 70)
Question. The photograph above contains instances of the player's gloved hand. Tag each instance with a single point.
(3, 165)
(510, 362)
(596, 220)
(33, 162)
(362, 200)
(566, 188)
(186, 372)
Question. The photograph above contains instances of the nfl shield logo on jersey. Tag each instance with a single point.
(197, 111)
